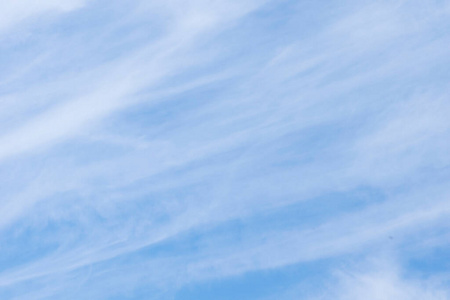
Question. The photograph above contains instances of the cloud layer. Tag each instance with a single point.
(224, 150)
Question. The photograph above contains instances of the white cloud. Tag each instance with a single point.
(13, 12)
(276, 134)
(383, 280)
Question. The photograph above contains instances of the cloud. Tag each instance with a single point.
(171, 143)
(16, 12)
(383, 280)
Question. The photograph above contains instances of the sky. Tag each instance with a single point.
(225, 149)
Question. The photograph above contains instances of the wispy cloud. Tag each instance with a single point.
(383, 280)
(148, 147)
(15, 12)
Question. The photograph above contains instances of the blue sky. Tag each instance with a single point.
(213, 149)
